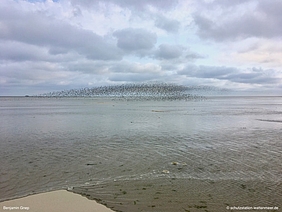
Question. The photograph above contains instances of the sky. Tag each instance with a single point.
(53, 45)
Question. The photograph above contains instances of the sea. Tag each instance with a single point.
(220, 153)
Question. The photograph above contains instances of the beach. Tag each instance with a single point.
(131, 156)
(61, 200)
(188, 195)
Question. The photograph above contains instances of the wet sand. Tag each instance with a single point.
(61, 200)
(187, 195)
(130, 156)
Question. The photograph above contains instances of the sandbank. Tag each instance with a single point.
(61, 200)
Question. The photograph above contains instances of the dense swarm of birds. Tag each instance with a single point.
(142, 91)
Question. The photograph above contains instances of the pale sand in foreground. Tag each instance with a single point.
(61, 201)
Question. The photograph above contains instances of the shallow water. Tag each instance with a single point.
(96, 144)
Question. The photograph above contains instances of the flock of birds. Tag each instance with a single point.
(142, 91)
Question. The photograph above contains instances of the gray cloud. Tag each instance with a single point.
(89, 66)
(32, 71)
(34, 77)
(54, 50)
(169, 25)
(131, 4)
(207, 71)
(137, 77)
(168, 66)
(55, 45)
(271, 8)
(36, 29)
(263, 20)
(127, 67)
(193, 55)
(15, 51)
(253, 76)
(167, 51)
(135, 39)
(224, 3)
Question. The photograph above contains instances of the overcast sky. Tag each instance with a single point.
(50, 45)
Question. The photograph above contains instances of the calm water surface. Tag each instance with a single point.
(48, 144)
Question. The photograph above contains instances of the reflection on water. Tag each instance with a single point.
(49, 143)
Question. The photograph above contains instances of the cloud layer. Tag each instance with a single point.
(55, 45)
